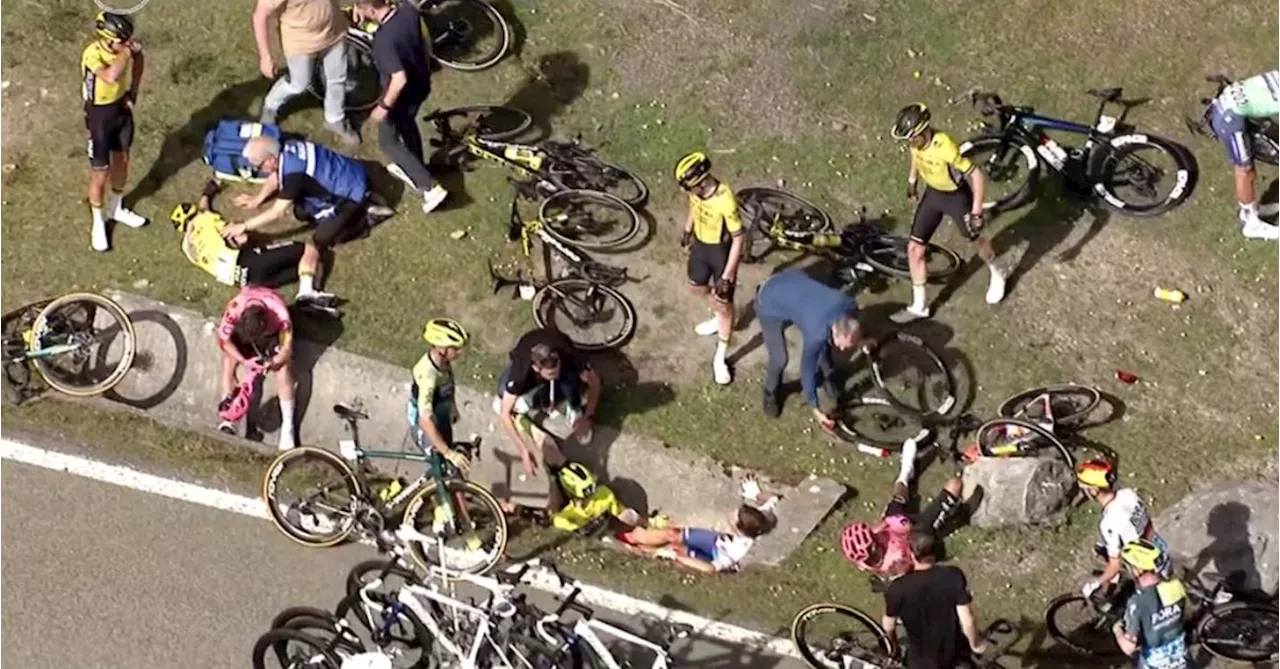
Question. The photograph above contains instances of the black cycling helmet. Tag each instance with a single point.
(115, 27)
(911, 121)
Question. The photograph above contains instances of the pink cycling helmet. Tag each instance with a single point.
(856, 542)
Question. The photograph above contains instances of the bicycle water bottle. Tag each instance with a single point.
(1052, 152)
(826, 241)
(523, 155)
(1171, 295)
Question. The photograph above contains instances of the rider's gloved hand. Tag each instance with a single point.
(458, 459)
(1089, 588)
(686, 239)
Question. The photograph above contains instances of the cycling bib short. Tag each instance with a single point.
(1255, 97)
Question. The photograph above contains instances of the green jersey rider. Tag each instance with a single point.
(1229, 113)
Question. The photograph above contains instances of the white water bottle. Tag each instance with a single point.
(1052, 152)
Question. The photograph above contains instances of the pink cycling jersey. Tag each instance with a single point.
(249, 296)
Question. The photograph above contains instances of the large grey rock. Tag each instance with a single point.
(1225, 528)
(1017, 491)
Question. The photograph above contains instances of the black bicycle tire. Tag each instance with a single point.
(526, 121)
(285, 635)
(336, 643)
(746, 196)
(415, 505)
(948, 403)
(422, 637)
(355, 582)
(848, 433)
(633, 225)
(642, 188)
(1008, 407)
(355, 43)
(627, 331)
(953, 259)
(1061, 448)
(1177, 196)
(1265, 134)
(1055, 631)
(269, 495)
(126, 359)
(1229, 608)
(568, 658)
(802, 618)
(495, 55)
(295, 611)
(1026, 192)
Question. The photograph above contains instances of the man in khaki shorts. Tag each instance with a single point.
(310, 30)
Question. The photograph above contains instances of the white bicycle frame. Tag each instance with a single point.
(586, 630)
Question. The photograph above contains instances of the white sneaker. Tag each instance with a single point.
(720, 370)
(287, 442)
(126, 217)
(995, 289)
(909, 314)
(1257, 229)
(708, 327)
(433, 198)
(99, 236)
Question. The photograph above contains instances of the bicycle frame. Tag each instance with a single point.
(586, 630)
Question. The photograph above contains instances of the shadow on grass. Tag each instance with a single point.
(151, 360)
(551, 84)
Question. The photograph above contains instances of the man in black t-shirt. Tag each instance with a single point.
(935, 607)
(400, 55)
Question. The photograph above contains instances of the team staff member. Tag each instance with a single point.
(111, 75)
(936, 609)
(954, 187)
(321, 186)
(824, 315)
(714, 236)
(230, 263)
(400, 56)
(1152, 629)
(1255, 97)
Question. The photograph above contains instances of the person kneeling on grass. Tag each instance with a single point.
(231, 262)
(708, 550)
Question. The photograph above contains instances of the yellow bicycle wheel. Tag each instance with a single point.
(311, 495)
(466, 530)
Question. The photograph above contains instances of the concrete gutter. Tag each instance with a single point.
(175, 382)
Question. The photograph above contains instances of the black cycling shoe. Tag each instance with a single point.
(770, 405)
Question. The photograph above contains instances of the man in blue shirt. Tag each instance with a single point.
(824, 315)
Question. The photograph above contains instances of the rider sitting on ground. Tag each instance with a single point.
(1229, 113)
(884, 550)
(1124, 520)
(257, 332)
(1152, 629)
(234, 263)
(591, 506)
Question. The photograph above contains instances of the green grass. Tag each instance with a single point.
(647, 84)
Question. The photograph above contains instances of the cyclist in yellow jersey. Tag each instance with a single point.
(954, 187)
(110, 73)
(432, 407)
(713, 234)
(232, 262)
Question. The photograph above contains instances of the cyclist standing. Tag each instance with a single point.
(432, 408)
(954, 187)
(1255, 97)
(111, 75)
(1124, 520)
(257, 332)
(936, 609)
(713, 234)
(1152, 628)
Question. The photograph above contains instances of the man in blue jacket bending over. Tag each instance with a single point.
(824, 315)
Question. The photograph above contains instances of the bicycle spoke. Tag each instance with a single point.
(1139, 175)
(465, 529)
(588, 314)
(587, 220)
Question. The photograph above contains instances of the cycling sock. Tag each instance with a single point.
(286, 422)
(949, 505)
(907, 467)
(306, 283)
(917, 296)
(722, 349)
(115, 201)
(1248, 210)
(995, 271)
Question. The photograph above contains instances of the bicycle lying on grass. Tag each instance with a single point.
(1262, 134)
(1032, 423)
(81, 344)
(317, 499)
(552, 166)
(1114, 163)
(1222, 623)
(582, 302)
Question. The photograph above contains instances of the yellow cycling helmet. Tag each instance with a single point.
(1097, 473)
(692, 169)
(445, 333)
(1142, 555)
(113, 27)
(911, 121)
(182, 215)
(577, 481)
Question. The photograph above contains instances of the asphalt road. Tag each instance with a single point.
(100, 576)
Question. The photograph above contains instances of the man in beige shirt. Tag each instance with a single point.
(310, 30)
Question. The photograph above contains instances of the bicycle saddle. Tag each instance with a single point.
(347, 413)
(1108, 94)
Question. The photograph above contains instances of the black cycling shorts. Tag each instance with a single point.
(934, 205)
(342, 222)
(706, 265)
(110, 130)
(927, 518)
(273, 265)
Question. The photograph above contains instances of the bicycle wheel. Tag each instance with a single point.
(82, 344)
(292, 612)
(912, 375)
(312, 496)
(388, 627)
(1068, 404)
(827, 635)
(873, 425)
(888, 254)
(1074, 622)
(1263, 133)
(763, 206)
(574, 168)
(1012, 437)
(466, 35)
(363, 87)
(593, 316)
(467, 529)
(489, 122)
(364, 572)
(1131, 174)
(1011, 168)
(1241, 632)
(589, 219)
(325, 628)
(292, 649)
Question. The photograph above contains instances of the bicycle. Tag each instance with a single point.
(551, 166)
(467, 35)
(867, 646)
(81, 344)
(1107, 161)
(1262, 133)
(1239, 630)
(584, 298)
(1031, 423)
(441, 500)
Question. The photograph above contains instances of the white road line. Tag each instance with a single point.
(253, 507)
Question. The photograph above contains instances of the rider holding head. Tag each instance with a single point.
(257, 332)
(1124, 520)
(1152, 629)
(1255, 97)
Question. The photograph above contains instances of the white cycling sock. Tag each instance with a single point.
(918, 296)
(722, 349)
(995, 271)
(907, 467)
(306, 284)
(1248, 210)
(286, 422)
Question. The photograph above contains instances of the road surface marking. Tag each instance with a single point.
(251, 506)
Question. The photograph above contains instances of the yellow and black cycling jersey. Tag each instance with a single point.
(940, 164)
(96, 90)
(579, 513)
(204, 246)
(715, 219)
